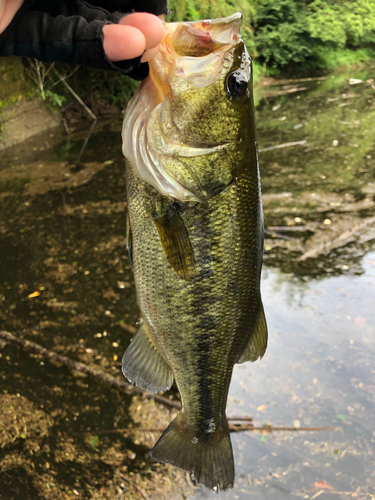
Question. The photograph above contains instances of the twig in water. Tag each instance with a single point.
(86, 141)
(132, 483)
(341, 240)
(278, 236)
(241, 419)
(232, 428)
(87, 109)
(287, 229)
(95, 373)
(66, 127)
(285, 145)
(128, 328)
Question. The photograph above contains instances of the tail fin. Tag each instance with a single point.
(209, 457)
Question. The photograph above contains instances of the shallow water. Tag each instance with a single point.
(62, 228)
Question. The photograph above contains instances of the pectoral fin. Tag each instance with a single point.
(176, 243)
(143, 366)
(257, 345)
(128, 239)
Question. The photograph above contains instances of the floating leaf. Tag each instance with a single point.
(263, 439)
(323, 485)
(94, 441)
(108, 162)
(261, 407)
(341, 417)
(34, 294)
(360, 321)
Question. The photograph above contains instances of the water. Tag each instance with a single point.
(62, 228)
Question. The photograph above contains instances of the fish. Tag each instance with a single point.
(195, 236)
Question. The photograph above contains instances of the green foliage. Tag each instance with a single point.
(342, 22)
(54, 98)
(13, 84)
(282, 34)
(330, 58)
(288, 32)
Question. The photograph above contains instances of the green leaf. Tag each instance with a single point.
(341, 417)
(262, 439)
(94, 441)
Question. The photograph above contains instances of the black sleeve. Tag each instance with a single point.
(66, 31)
(156, 7)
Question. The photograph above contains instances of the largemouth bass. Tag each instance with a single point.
(195, 236)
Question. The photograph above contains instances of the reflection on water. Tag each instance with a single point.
(62, 233)
(318, 371)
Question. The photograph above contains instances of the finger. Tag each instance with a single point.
(151, 27)
(150, 54)
(122, 42)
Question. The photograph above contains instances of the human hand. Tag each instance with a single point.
(85, 33)
(135, 34)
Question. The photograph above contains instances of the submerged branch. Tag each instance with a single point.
(285, 145)
(232, 428)
(95, 373)
(341, 240)
(278, 236)
(85, 107)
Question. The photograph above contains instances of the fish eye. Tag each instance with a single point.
(236, 84)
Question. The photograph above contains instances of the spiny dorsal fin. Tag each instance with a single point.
(257, 345)
(176, 243)
(143, 366)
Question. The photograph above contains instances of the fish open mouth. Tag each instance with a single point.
(195, 51)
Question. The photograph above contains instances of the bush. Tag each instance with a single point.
(281, 32)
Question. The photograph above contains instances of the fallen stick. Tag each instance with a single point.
(288, 228)
(342, 239)
(285, 145)
(278, 236)
(232, 428)
(132, 483)
(128, 328)
(30, 346)
(95, 373)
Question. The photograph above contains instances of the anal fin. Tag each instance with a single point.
(257, 345)
(143, 366)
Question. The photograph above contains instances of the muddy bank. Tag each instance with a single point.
(26, 119)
